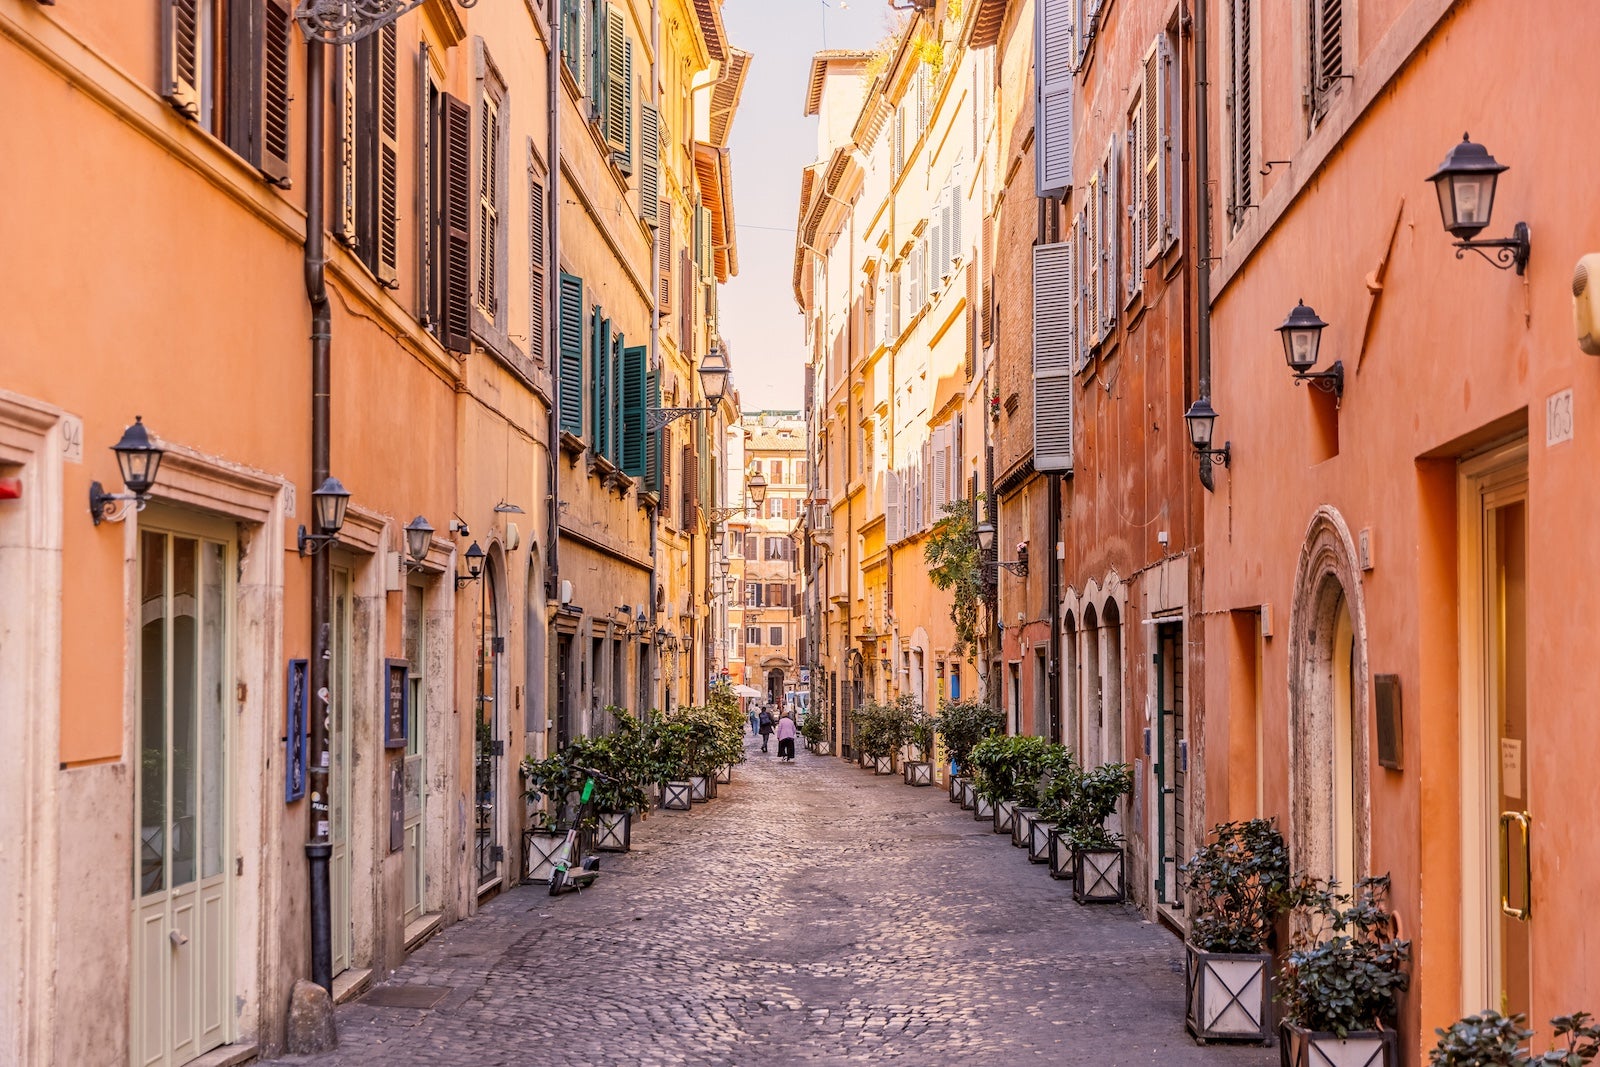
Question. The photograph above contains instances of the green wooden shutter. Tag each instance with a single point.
(618, 401)
(569, 368)
(652, 443)
(633, 410)
(599, 345)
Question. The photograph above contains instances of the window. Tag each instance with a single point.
(446, 285)
(1241, 134)
(775, 635)
(1054, 49)
(225, 66)
(775, 471)
(752, 635)
(367, 171)
(1139, 170)
(490, 195)
(754, 595)
(1327, 55)
(750, 546)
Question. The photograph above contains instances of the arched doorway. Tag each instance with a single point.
(1112, 742)
(1089, 749)
(488, 728)
(1328, 743)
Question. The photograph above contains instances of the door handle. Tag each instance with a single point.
(178, 938)
(1523, 820)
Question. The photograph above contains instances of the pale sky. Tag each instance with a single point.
(772, 140)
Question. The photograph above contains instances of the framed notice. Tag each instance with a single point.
(396, 702)
(294, 731)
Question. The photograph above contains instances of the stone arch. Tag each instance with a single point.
(1329, 782)
(1111, 687)
(1087, 743)
(1069, 677)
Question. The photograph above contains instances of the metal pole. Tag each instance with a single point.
(318, 848)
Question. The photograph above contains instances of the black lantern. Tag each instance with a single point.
(474, 558)
(1465, 183)
(714, 375)
(986, 534)
(328, 503)
(419, 536)
(757, 487)
(640, 622)
(1202, 420)
(138, 460)
(1302, 341)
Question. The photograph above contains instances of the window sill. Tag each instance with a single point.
(573, 446)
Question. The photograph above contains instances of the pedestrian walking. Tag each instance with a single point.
(753, 724)
(786, 737)
(766, 725)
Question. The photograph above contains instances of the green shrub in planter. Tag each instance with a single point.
(882, 730)
(1238, 885)
(1008, 768)
(962, 724)
(814, 730)
(1340, 981)
(1490, 1039)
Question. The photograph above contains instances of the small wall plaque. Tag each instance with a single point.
(1391, 734)
(396, 696)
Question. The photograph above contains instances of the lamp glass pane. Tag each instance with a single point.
(1200, 430)
(1300, 348)
(138, 468)
(1474, 199)
(417, 543)
(1443, 186)
(330, 510)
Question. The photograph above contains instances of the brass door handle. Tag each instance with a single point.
(1522, 819)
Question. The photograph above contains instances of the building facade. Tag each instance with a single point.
(442, 190)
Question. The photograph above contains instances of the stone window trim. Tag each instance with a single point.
(1328, 571)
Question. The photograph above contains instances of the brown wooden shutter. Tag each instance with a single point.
(987, 314)
(537, 254)
(972, 321)
(456, 224)
(180, 41)
(388, 176)
(344, 160)
(686, 322)
(664, 256)
(691, 488)
(273, 140)
(489, 206)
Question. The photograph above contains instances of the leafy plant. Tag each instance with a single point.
(550, 780)
(920, 730)
(1490, 1039)
(883, 728)
(955, 563)
(1087, 799)
(1238, 885)
(1009, 767)
(1346, 966)
(962, 724)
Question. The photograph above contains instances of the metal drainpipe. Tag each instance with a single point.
(651, 658)
(318, 848)
(1052, 658)
(553, 207)
(1202, 192)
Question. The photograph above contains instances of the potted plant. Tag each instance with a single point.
(961, 724)
(1340, 981)
(550, 782)
(1042, 819)
(919, 735)
(723, 708)
(814, 732)
(1082, 802)
(1238, 885)
(1490, 1039)
(670, 763)
(879, 732)
(1007, 772)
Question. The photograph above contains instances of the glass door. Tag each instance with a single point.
(1506, 576)
(416, 748)
(182, 911)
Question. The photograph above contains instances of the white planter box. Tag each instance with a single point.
(614, 831)
(541, 847)
(699, 788)
(1227, 995)
(676, 796)
(1022, 826)
(883, 765)
(1361, 1048)
(969, 795)
(1005, 814)
(725, 775)
(918, 773)
(1039, 834)
(1097, 876)
(982, 810)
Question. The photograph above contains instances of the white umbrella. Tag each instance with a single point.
(746, 691)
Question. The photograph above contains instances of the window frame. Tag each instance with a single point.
(489, 90)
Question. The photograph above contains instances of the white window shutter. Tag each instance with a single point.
(1149, 150)
(1111, 189)
(941, 470)
(914, 289)
(1055, 65)
(891, 506)
(1052, 357)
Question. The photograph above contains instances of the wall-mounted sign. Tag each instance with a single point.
(294, 731)
(396, 700)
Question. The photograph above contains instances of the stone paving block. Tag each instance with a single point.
(813, 914)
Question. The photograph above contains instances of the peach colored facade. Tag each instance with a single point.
(153, 889)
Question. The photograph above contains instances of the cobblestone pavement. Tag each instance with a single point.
(812, 914)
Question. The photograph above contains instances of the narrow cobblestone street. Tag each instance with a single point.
(811, 914)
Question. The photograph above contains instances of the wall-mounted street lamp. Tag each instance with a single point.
(474, 558)
(1202, 420)
(986, 537)
(1465, 182)
(755, 487)
(138, 460)
(347, 21)
(419, 538)
(713, 382)
(328, 505)
(1302, 339)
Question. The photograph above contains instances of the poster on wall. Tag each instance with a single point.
(397, 804)
(396, 698)
(294, 731)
